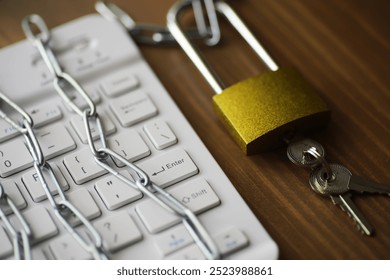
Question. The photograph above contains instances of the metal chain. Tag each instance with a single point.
(62, 207)
(153, 34)
(100, 154)
(20, 237)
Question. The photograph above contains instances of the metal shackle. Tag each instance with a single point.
(173, 23)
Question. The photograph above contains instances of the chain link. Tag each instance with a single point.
(154, 34)
(96, 119)
(164, 199)
(20, 237)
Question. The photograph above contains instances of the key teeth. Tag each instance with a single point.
(359, 228)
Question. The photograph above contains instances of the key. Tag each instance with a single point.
(7, 131)
(129, 145)
(82, 167)
(118, 83)
(191, 252)
(67, 248)
(38, 254)
(160, 134)
(12, 190)
(34, 186)
(230, 241)
(340, 196)
(40, 222)
(172, 240)
(116, 193)
(78, 125)
(197, 195)
(79, 101)
(118, 231)
(346, 204)
(55, 140)
(84, 202)
(14, 157)
(169, 168)
(296, 149)
(154, 217)
(133, 108)
(44, 114)
(344, 181)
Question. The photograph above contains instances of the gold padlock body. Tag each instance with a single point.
(260, 111)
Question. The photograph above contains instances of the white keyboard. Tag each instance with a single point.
(144, 126)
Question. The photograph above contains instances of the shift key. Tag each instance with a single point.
(169, 168)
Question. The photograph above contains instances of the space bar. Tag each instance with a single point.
(169, 168)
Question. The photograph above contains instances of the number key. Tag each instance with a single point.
(14, 157)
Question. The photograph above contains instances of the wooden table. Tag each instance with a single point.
(343, 48)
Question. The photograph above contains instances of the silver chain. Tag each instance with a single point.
(62, 81)
(20, 237)
(62, 207)
(153, 34)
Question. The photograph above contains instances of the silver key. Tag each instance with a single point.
(346, 204)
(296, 152)
(361, 185)
(337, 190)
(344, 181)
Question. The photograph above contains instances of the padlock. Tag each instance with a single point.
(261, 111)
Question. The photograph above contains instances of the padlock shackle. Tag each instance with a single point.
(189, 48)
(192, 52)
(235, 20)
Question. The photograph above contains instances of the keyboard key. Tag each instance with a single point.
(78, 125)
(116, 193)
(191, 252)
(7, 131)
(197, 195)
(37, 254)
(5, 244)
(118, 83)
(129, 145)
(44, 113)
(55, 140)
(160, 134)
(173, 240)
(133, 108)
(169, 168)
(67, 248)
(12, 190)
(156, 218)
(118, 231)
(230, 241)
(79, 101)
(34, 186)
(40, 222)
(14, 157)
(84, 202)
(83, 167)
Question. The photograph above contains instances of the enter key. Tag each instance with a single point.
(169, 168)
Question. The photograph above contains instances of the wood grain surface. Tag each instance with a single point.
(342, 47)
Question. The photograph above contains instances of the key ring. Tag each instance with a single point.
(328, 175)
